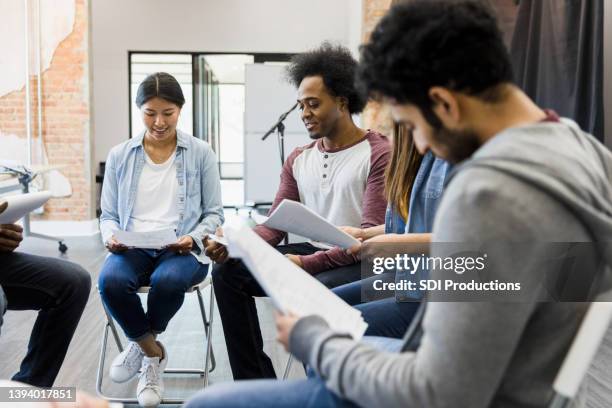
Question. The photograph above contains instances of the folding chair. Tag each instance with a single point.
(583, 350)
(208, 361)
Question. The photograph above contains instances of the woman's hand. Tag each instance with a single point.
(357, 233)
(183, 246)
(284, 325)
(214, 250)
(115, 246)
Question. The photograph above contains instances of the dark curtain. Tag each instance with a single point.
(557, 52)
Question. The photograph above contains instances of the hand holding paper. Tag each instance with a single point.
(291, 289)
(296, 218)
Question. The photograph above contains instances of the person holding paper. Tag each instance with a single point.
(525, 175)
(413, 184)
(161, 179)
(57, 289)
(340, 176)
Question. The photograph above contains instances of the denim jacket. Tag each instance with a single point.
(424, 200)
(199, 197)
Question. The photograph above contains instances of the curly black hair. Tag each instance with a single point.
(426, 43)
(336, 66)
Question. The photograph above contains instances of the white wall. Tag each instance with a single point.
(199, 25)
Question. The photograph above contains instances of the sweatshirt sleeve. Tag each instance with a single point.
(373, 207)
(435, 376)
(466, 347)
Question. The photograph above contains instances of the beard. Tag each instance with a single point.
(455, 146)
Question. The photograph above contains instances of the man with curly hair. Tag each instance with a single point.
(340, 176)
(525, 176)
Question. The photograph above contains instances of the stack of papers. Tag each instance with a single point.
(296, 218)
(149, 240)
(291, 288)
(21, 205)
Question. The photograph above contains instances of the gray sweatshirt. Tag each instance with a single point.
(546, 182)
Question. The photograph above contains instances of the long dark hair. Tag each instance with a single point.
(162, 85)
(401, 170)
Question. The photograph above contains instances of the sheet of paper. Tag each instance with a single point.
(150, 240)
(21, 204)
(294, 217)
(290, 287)
(218, 239)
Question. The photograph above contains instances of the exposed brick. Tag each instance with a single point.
(373, 116)
(66, 117)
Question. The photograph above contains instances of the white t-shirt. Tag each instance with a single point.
(156, 205)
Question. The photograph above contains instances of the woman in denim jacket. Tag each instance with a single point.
(414, 185)
(161, 179)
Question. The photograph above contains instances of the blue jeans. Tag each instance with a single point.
(169, 275)
(308, 393)
(385, 317)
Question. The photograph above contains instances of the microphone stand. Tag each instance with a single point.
(279, 126)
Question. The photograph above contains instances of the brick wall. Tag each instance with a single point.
(65, 118)
(375, 116)
(378, 117)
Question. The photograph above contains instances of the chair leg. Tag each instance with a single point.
(211, 308)
(288, 367)
(113, 328)
(208, 328)
(207, 323)
(100, 373)
(110, 326)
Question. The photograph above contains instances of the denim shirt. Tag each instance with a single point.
(424, 200)
(199, 198)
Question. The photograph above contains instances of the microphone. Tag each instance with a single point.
(279, 122)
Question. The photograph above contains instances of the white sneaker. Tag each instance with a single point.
(127, 363)
(150, 384)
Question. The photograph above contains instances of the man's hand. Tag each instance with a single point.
(10, 237)
(357, 233)
(296, 260)
(355, 249)
(284, 325)
(183, 246)
(214, 250)
(3, 206)
(115, 246)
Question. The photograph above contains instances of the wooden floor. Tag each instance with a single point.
(184, 339)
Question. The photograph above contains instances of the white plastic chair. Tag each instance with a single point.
(582, 352)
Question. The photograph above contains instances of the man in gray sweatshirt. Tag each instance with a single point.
(525, 175)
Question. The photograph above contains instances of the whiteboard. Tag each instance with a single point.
(267, 95)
